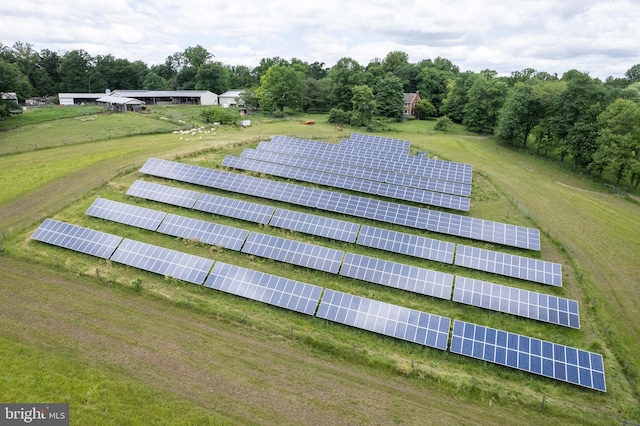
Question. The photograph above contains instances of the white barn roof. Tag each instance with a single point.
(120, 100)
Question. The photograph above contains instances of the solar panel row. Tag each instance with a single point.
(384, 211)
(529, 354)
(351, 183)
(535, 270)
(377, 175)
(527, 304)
(398, 275)
(384, 318)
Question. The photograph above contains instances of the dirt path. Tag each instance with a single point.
(244, 375)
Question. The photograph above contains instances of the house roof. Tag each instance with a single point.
(161, 93)
(121, 100)
(233, 93)
(408, 97)
(80, 95)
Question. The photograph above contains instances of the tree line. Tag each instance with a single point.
(594, 123)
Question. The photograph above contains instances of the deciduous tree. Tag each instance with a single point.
(282, 86)
(390, 97)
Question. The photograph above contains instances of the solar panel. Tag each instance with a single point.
(338, 230)
(346, 182)
(126, 213)
(398, 275)
(483, 230)
(271, 289)
(383, 318)
(244, 210)
(171, 263)
(294, 252)
(409, 244)
(553, 360)
(77, 238)
(525, 268)
(528, 304)
(206, 232)
(164, 194)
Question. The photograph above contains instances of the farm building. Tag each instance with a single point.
(170, 97)
(410, 100)
(78, 98)
(230, 97)
(120, 103)
(9, 96)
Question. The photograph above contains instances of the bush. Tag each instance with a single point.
(220, 115)
(424, 109)
(339, 116)
(443, 124)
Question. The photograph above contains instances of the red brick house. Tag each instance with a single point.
(410, 99)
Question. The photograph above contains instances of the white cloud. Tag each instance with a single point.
(599, 36)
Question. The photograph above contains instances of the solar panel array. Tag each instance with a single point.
(183, 266)
(529, 354)
(223, 206)
(384, 318)
(294, 252)
(524, 303)
(377, 175)
(271, 289)
(384, 211)
(77, 238)
(164, 194)
(390, 160)
(114, 211)
(535, 270)
(206, 232)
(398, 275)
(338, 230)
(409, 244)
(350, 183)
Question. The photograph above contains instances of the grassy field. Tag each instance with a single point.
(253, 355)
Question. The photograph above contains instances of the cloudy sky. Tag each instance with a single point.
(598, 36)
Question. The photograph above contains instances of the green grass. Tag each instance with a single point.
(82, 129)
(42, 114)
(94, 395)
(595, 235)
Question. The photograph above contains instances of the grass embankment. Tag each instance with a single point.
(482, 386)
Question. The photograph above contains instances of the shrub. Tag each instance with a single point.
(220, 115)
(443, 124)
(339, 116)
